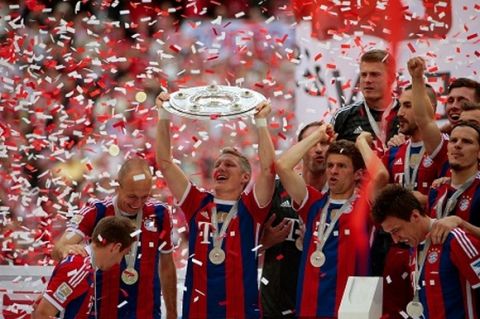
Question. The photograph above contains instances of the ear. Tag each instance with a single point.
(358, 175)
(415, 216)
(115, 247)
(245, 178)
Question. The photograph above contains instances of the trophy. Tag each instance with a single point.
(213, 101)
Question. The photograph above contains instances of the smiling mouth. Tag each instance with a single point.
(455, 116)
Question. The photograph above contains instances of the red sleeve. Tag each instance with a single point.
(191, 201)
(68, 282)
(83, 222)
(465, 255)
(313, 195)
(259, 214)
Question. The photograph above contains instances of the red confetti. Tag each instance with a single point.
(472, 36)
(412, 49)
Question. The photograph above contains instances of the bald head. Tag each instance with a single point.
(135, 186)
(134, 170)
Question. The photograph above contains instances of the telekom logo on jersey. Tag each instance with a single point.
(206, 230)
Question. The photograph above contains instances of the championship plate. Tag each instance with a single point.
(213, 101)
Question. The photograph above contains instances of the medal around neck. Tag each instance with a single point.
(317, 259)
(213, 101)
(299, 243)
(217, 256)
(129, 276)
(415, 309)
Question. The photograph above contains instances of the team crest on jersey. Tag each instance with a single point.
(62, 292)
(427, 162)
(433, 257)
(76, 219)
(476, 266)
(149, 224)
(464, 204)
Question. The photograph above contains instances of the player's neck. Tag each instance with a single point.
(416, 137)
(344, 195)
(317, 181)
(228, 195)
(380, 104)
(461, 176)
(425, 226)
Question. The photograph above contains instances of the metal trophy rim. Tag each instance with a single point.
(240, 102)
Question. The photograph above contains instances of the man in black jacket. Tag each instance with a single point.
(377, 111)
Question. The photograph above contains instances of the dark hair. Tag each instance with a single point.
(468, 83)
(469, 124)
(114, 229)
(395, 201)
(470, 106)
(432, 95)
(347, 148)
(306, 127)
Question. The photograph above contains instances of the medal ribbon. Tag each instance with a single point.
(452, 201)
(219, 236)
(132, 255)
(322, 233)
(381, 134)
(409, 180)
(419, 263)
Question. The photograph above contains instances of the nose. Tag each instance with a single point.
(136, 203)
(396, 239)
(318, 148)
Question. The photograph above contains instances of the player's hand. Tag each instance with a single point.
(364, 137)
(273, 235)
(416, 67)
(396, 140)
(161, 98)
(262, 110)
(442, 227)
(76, 249)
(440, 181)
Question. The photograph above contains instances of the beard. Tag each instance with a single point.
(409, 130)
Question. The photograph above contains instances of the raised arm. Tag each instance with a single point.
(422, 107)
(291, 181)
(172, 173)
(375, 168)
(168, 278)
(264, 184)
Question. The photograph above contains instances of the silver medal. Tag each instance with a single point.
(317, 259)
(129, 276)
(299, 243)
(217, 256)
(415, 309)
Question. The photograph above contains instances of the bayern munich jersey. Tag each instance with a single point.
(115, 299)
(431, 166)
(467, 206)
(450, 272)
(228, 289)
(71, 287)
(320, 290)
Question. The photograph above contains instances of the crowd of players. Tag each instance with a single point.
(382, 191)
